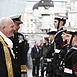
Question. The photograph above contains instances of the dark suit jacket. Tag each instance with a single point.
(35, 54)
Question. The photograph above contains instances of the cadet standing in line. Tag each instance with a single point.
(19, 45)
(59, 22)
(62, 53)
(51, 43)
(51, 53)
(51, 35)
(8, 66)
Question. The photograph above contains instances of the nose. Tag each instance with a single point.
(14, 28)
(53, 23)
(62, 35)
(18, 27)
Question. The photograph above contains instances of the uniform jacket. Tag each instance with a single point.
(26, 49)
(60, 56)
(19, 50)
(57, 45)
(71, 61)
(51, 53)
(58, 39)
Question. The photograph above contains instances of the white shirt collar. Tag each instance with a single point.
(7, 40)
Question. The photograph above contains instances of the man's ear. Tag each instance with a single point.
(61, 23)
(76, 36)
(3, 27)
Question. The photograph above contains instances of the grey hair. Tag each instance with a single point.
(4, 21)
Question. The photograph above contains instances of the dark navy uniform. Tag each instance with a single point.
(51, 43)
(50, 54)
(27, 48)
(71, 62)
(19, 50)
(58, 39)
(59, 61)
(19, 44)
(49, 63)
(61, 55)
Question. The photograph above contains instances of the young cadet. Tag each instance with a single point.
(51, 34)
(59, 22)
(51, 53)
(51, 37)
(67, 36)
(19, 45)
(70, 59)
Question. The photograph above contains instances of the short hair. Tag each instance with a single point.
(4, 21)
(46, 38)
(36, 41)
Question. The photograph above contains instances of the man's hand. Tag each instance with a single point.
(41, 58)
(22, 75)
(33, 59)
